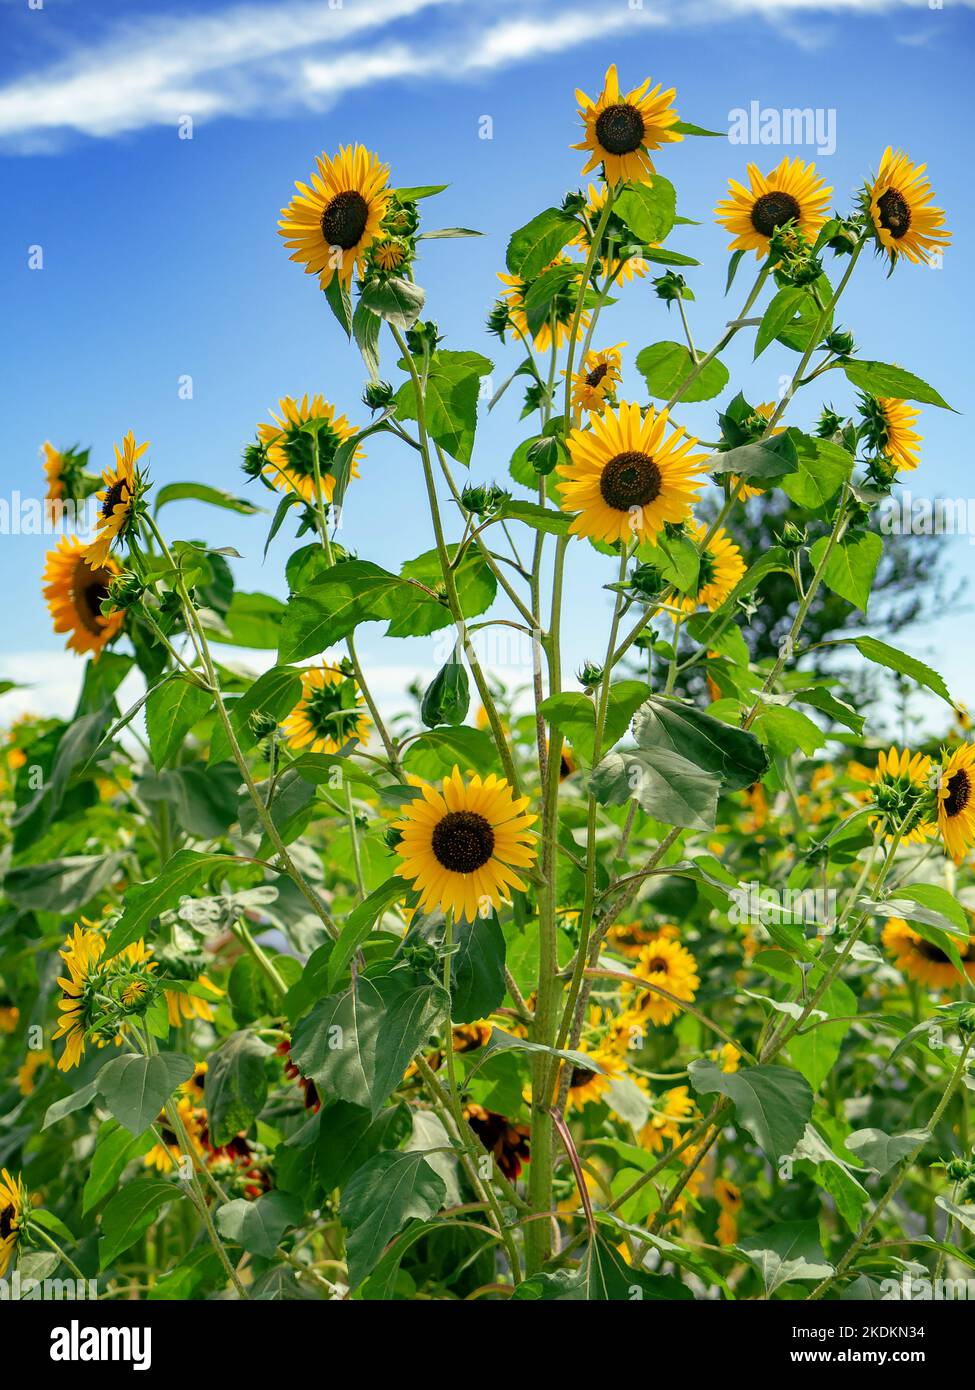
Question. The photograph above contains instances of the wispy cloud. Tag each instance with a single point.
(243, 59)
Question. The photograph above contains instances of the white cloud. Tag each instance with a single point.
(246, 59)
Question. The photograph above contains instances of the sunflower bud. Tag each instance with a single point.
(255, 460)
(447, 697)
(124, 591)
(377, 395)
(484, 499)
(958, 1169)
(791, 537)
(845, 239)
(498, 321)
(573, 204)
(262, 725)
(647, 581)
(966, 1022)
(671, 286)
(423, 337)
(829, 423)
(839, 341)
(589, 676)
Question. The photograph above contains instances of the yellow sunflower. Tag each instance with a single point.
(120, 491)
(328, 715)
(329, 226)
(302, 427)
(666, 1119)
(462, 846)
(721, 568)
(671, 966)
(956, 802)
(620, 130)
(563, 309)
(921, 960)
(629, 938)
(74, 588)
(590, 1084)
(601, 373)
(27, 1071)
(627, 477)
(727, 1056)
(168, 1151)
(900, 778)
(792, 192)
(389, 253)
(82, 953)
(53, 468)
(13, 1203)
(611, 266)
(890, 425)
(180, 1005)
(904, 221)
(728, 1198)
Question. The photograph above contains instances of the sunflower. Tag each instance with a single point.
(899, 202)
(82, 953)
(195, 1088)
(621, 129)
(74, 588)
(627, 477)
(671, 966)
(462, 846)
(168, 1150)
(389, 253)
(666, 1119)
(921, 960)
(728, 1198)
(721, 567)
(889, 428)
(508, 1142)
(727, 1056)
(291, 442)
(900, 783)
(562, 310)
(182, 1006)
(328, 714)
(792, 192)
(330, 226)
(956, 802)
(13, 1204)
(597, 381)
(54, 462)
(122, 486)
(630, 938)
(92, 985)
(590, 1084)
(28, 1070)
(613, 268)
(9, 1015)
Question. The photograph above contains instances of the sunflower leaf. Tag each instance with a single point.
(665, 366)
(648, 209)
(880, 379)
(536, 244)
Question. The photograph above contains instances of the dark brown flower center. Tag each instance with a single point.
(118, 493)
(8, 1217)
(581, 1076)
(895, 213)
(773, 210)
(959, 793)
(344, 219)
(620, 129)
(597, 374)
(463, 841)
(657, 964)
(630, 480)
(931, 952)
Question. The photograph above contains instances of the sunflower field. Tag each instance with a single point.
(648, 980)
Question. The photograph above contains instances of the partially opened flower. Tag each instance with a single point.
(559, 314)
(622, 129)
(924, 961)
(721, 567)
(956, 802)
(901, 788)
(123, 485)
(330, 225)
(905, 222)
(596, 383)
(329, 715)
(462, 846)
(792, 192)
(889, 428)
(74, 589)
(307, 431)
(630, 473)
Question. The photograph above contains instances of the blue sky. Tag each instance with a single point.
(161, 257)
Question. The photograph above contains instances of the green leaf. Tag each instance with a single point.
(884, 655)
(129, 1214)
(666, 365)
(663, 784)
(387, 1192)
(447, 698)
(536, 245)
(648, 209)
(779, 315)
(434, 754)
(766, 461)
(365, 330)
(547, 519)
(171, 711)
(349, 1136)
(477, 969)
(879, 379)
(453, 386)
(773, 1103)
(252, 620)
(397, 301)
(602, 1277)
(413, 1008)
(787, 1251)
(339, 299)
(143, 904)
(940, 901)
(823, 468)
(851, 566)
(63, 886)
(335, 1044)
(879, 1151)
(236, 1085)
(202, 492)
(786, 730)
(331, 608)
(135, 1088)
(77, 1101)
(258, 1226)
(734, 755)
(272, 696)
(115, 1147)
(421, 615)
